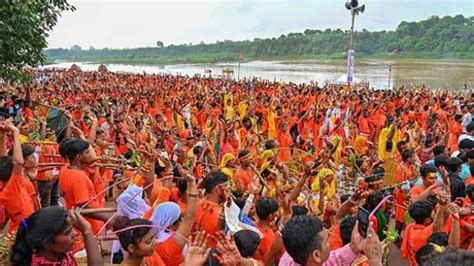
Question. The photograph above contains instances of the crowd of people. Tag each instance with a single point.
(138, 169)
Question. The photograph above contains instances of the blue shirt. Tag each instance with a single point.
(465, 171)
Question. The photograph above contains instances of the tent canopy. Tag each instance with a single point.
(343, 79)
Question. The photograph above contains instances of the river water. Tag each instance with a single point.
(451, 74)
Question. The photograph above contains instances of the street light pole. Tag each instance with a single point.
(351, 42)
(355, 9)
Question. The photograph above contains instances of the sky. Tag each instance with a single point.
(135, 23)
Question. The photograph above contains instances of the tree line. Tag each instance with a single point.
(434, 37)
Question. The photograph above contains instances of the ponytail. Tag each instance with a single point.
(21, 251)
(130, 236)
(37, 232)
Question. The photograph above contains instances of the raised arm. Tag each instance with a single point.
(3, 140)
(299, 186)
(186, 225)
(426, 192)
(391, 133)
(93, 254)
(18, 160)
(440, 216)
(76, 132)
(454, 240)
(93, 130)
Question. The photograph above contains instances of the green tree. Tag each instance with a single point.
(76, 47)
(434, 37)
(24, 28)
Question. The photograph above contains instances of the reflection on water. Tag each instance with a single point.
(452, 74)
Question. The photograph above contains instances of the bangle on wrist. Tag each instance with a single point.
(193, 195)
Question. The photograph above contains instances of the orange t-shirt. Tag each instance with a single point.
(416, 236)
(364, 125)
(265, 243)
(159, 193)
(201, 117)
(335, 240)
(285, 142)
(455, 131)
(20, 200)
(466, 236)
(48, 155)
(170, 252)
(207, 217)
(242, 178)
(154, 260)
(174, 194)
(100, 183)
(78, 189)
(416, 191)
(182, 205)
(469, 180)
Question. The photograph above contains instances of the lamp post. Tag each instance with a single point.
(355, 9)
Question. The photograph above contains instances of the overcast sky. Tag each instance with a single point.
(128, 24)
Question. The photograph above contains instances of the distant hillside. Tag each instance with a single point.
(447, 37)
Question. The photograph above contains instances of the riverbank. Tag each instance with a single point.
(452, 74)
(224, 58)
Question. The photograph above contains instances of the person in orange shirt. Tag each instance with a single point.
(78, 189)
(442, 113)
(209, 212)
(429, 186)
(168, 216)
(470, 179)
(139, 242)
(248, 137)
(19, 195)
(266, 209)
(416, 234)
(342, 233)
(405, 171)
(161, 188)
(364, 124)
(47, 180)
(455, 130)
(160, 191)
(284, 143)
(180, 196)
(96, 174)
(244, 172)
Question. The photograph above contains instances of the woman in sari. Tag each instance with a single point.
(360, 146)
(227, 167)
